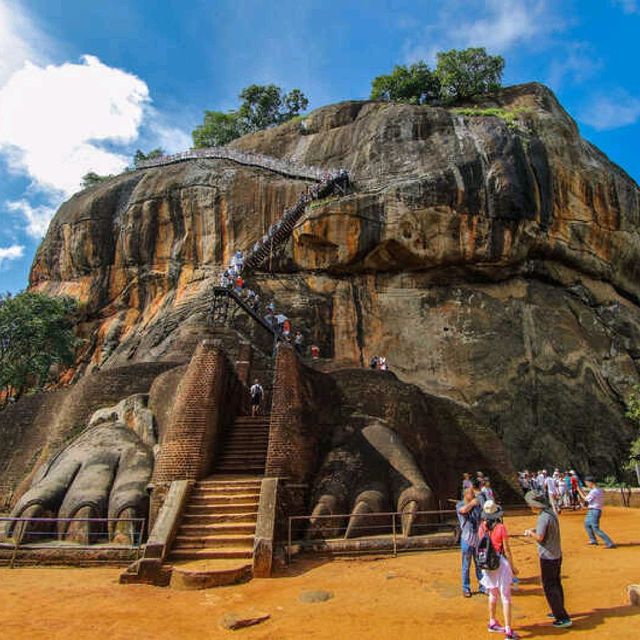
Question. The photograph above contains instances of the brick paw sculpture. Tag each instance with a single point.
(368, 473)
(101, 473)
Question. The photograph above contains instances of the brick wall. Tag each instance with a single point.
(209, 397)
(243, 362)
(292, 435)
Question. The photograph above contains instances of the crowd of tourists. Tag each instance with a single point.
(484, 539)
(379, 363)
(280, 324)
(561, 487)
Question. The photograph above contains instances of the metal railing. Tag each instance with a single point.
(377, 526)
(47, 530)
(286, 167)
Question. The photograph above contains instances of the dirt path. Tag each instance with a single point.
(412, 596)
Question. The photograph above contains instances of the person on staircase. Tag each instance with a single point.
(286, 330)
(257, 393)
(237, 261)
(298, 344)
(225, 279)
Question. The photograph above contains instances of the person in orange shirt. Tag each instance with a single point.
(498, 581)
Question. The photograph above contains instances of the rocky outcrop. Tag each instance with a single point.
(495, 265)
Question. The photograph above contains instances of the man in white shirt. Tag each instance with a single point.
(256, 392)
(595, 504)
(551, 489)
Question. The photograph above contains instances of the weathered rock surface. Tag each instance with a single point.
(309, 597)
(235, 621)
(495, 267)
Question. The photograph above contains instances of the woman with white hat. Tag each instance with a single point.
(497, 581)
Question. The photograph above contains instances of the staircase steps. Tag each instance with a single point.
(218, 517)
(219, 520)
(218, 523)
(245, 448)
(228, 508)
(211, 554)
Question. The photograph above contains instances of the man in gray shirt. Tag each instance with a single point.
(547, 535)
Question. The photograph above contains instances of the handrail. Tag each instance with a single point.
(391, 520)
(283, 227)
(278, 165)
(226, 291)
(48, 537)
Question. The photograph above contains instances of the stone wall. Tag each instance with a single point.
(292, 439)
(615, 498)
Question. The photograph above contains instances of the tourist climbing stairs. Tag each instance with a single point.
(280, 231)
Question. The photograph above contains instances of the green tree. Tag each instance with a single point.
(467, 73)
(262, 106)
(415, 84)
(633, 413)
(140, 155)
(92, 178)
(217, 129)
(36, 332)
(265, 106)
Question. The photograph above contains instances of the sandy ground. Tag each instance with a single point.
(416, 595)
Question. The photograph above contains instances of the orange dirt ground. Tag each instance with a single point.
(416, 595)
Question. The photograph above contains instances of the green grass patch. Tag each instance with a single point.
(316, 204)
(510, 116)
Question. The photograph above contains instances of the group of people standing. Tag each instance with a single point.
(379, 363)
(562, 488)
(484, 541)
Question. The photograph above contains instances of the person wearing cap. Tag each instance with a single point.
(595, 504)
(499, 580)
(547, 535)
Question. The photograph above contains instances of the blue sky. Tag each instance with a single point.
(83, 84)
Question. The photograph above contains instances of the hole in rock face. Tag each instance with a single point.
(446, 329)
(406, 233)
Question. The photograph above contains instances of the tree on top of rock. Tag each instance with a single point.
(459, 75)
(140, 155)
(262, 106)
(415, 84)
(468, 73)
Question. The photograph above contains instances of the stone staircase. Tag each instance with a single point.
(245, 447)
(219, 520)
(215, 540)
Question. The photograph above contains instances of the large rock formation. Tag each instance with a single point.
(496, 266)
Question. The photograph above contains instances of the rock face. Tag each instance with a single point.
(494, 266)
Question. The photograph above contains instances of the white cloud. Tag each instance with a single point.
(499, 26)
(157, 132)
(54, 118)
(611, 111)
(60, 121)
(37, 218)
(14, 252)
(576, 62)
(20, 40)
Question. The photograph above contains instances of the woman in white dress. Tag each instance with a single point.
(498, 581)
